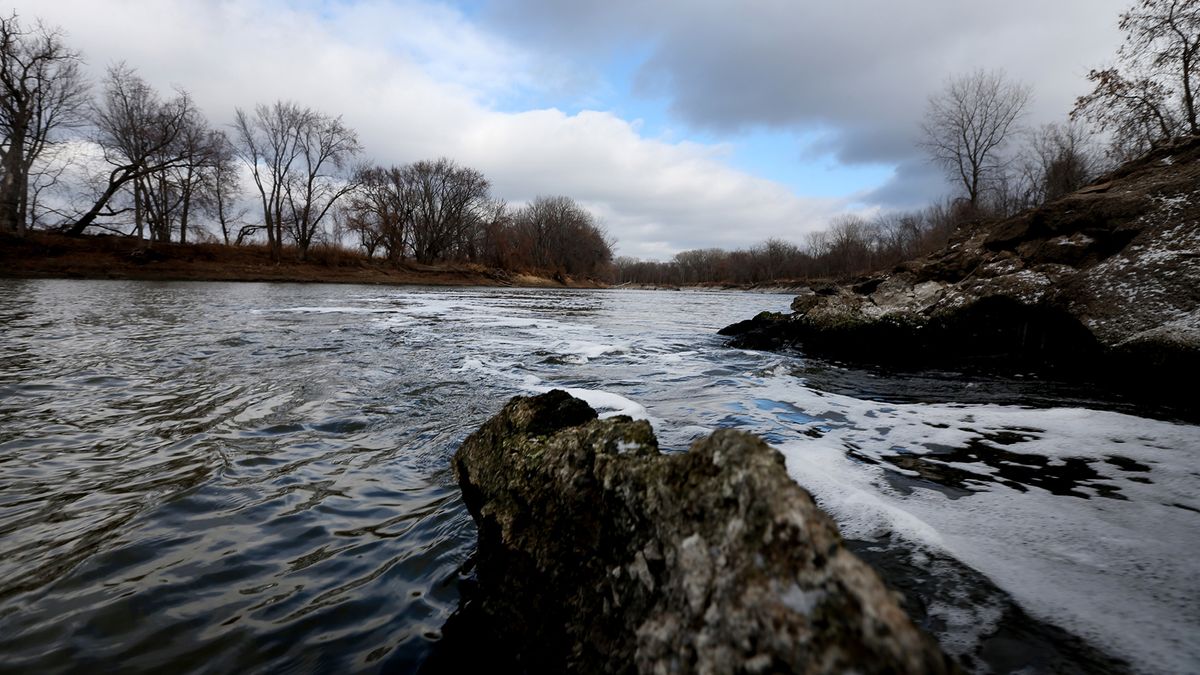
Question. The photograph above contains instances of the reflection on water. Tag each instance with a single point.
(254, 477)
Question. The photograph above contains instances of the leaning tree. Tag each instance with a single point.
(139, 134)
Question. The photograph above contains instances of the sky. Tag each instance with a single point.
(679, 124)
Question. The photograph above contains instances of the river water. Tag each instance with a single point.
(254, 477)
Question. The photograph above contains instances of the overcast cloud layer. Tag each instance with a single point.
(425, 79)
(860, 70)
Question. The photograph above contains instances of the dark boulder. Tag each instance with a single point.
(597, 553)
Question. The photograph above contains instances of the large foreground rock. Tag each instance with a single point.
(1104, 282)
(599, 554)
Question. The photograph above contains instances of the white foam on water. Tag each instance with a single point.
(851, 495)
(692, 432)
(485, 321)
(1119, 572)
(582, 351)
(498, 371)
(322, 310)
(476, 365)
(609, 404)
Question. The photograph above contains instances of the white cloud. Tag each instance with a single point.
(860, 71)
(419, 80)
(662, 195)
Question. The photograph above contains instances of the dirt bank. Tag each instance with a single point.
(50, 256)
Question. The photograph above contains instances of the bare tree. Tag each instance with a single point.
(41, 91)
(188, 177)
(898, 235)
(850, 243)
(542, 222)
(269, 143)
(448, 200)
(561, 235)
(359, 221)
(321, 179)
(220, 188)
(169, 196)
(774, 259)
(49, 180)
(297, 157)
(850, 246)
(1135, 111)
(968, 124)
(1153, 97)
(700, 265)
(497, 241)
(1059, 158)
(139, 134)
(382, 210)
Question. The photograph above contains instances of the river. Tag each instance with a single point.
(255, 477)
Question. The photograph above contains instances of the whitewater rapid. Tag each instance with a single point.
(1107, 551)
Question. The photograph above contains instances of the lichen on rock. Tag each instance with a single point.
(598, 553)
(1103, 283)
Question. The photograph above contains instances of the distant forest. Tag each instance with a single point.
(134, 162)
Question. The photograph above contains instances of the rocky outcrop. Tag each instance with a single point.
(597, 553)
(1102, 281)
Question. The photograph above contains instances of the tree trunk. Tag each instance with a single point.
(12, 183)
(138, 216)
(185, 204)
(1189, 102)
(118, 179)
(184, 207)
(221, 217)
(23, 211)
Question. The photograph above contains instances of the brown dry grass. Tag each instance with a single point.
(51, 256)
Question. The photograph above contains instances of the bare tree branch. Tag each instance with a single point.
(1152, 96)
(968, 124)
(41, 92)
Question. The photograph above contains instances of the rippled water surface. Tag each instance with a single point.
(254, 477)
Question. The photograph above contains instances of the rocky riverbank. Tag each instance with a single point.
(1102, 284)
(597, 553)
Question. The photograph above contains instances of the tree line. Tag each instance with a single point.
(972, 130)
(1056, 159)
(134, 162)
(164, 168)
(438, 210)
(850, 246)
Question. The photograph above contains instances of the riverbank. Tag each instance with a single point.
(1098, 286)
(52, 256)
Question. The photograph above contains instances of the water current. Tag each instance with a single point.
(255, 477)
